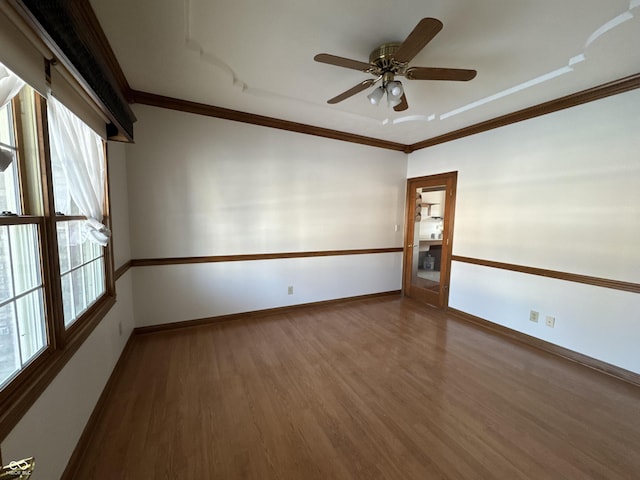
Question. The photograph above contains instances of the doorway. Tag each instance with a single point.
(429, 238)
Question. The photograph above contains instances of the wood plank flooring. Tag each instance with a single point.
(376, 389)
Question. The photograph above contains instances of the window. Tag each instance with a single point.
(81, 269)
(56, 274)
(78, 173)
(22, 316)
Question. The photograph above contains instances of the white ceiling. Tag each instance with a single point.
(256, 56)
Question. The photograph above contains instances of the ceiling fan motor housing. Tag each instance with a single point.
(382, 58)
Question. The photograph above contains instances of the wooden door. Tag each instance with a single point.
(429, 238)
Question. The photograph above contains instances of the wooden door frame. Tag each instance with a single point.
(450, 180)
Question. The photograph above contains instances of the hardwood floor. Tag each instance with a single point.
(382, 388)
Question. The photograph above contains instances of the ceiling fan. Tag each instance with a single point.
(392, 59)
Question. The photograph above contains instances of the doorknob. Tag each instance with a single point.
(411, 246)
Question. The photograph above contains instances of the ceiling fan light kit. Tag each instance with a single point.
(391, 87)
(394, 89)
(375, 96)
(392, 59)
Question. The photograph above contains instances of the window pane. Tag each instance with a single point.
(90, 251)
(9, 349)
(81, 288)
(61, 194)
(31, 324)
(25, 254)
(6, 276)
(67, 299)
(82, 270)
(63, 246)
(75, 243)
(79, 301)
(96, 279)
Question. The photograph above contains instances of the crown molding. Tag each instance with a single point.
(151, 99)
(615, 87)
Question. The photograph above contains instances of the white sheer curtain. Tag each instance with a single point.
(80, 152)
(10, 85)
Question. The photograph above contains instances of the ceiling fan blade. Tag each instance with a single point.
(427, 73)
(342, 62)
(403, 105)
(352, 91)
(422, 34)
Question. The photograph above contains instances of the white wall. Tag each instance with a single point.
(51, 428)
(205, 186)
(559, 192)
(119, 203)
(186, 292)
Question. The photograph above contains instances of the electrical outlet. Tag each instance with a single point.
(533, 316)
(551, 321)
(290, 290)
